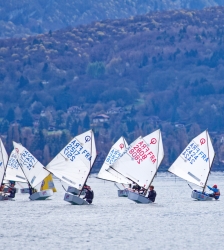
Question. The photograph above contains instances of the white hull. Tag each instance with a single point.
(74, 190)
(74, 200)
(43, 195)
(123, 193)
(197, 195)
(5, 198)
(24, 190)
(136, 197)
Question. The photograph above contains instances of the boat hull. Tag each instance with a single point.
(197, 195)
(43, 195)
(123, 193)
(74, 190)
(5, 198)
(24, 190)
(136, 197)
(74, 200)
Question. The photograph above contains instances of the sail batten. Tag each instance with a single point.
(194, 163)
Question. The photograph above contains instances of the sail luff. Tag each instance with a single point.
(158, 164)
(208, 160)
(91, 150)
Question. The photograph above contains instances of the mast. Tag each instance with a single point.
(208, 162)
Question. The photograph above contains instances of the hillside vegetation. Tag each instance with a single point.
(161, 70)
(29, 17)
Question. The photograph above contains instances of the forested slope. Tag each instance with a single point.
(162, 70)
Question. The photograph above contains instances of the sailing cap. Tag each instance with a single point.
(215, 186)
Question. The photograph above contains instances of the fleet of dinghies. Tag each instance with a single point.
(134, 164)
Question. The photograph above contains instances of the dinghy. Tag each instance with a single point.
(73, 164)
(194, 164)
(114, 154)
(3, 161)
(3, 164)
(140, 163)
(48, 183)
(33, 171)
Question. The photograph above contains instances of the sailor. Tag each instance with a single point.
(2, 188)
(216, 192)
(136, 187)
(152, 194)
(89, 195)
(12, 190)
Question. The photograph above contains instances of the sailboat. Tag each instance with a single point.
(73, 164)
(48, 183)
(140, 163)
(3, 163)
(194, 164)
(114, 154)
(33, 170)
(14, 172)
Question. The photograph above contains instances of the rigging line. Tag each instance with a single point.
(190, 186)
(62, 185)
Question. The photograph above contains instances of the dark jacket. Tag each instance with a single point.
(12, 192)
(89, 195)
(152, 195)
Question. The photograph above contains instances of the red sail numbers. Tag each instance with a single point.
(140, 152)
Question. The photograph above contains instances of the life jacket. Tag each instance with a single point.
(217, 194)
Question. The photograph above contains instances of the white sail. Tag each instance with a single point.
(13, 170)
(115, 152)
(155, 143)
(73, 164)
(31, 167)
(140, 162)
(195, 161)
(3, 160)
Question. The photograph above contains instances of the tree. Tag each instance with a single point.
(86, 122)
(27, 120)
(10, 115)
(96, 69)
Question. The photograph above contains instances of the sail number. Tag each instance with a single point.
(73, 149)
(113, 156)
(193, 152)
(140, 152)
(27, 159)
(13, 163)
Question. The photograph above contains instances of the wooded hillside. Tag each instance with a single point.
(160, 70)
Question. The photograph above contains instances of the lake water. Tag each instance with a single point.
(174, 222)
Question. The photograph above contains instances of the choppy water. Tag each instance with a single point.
(174, 222)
